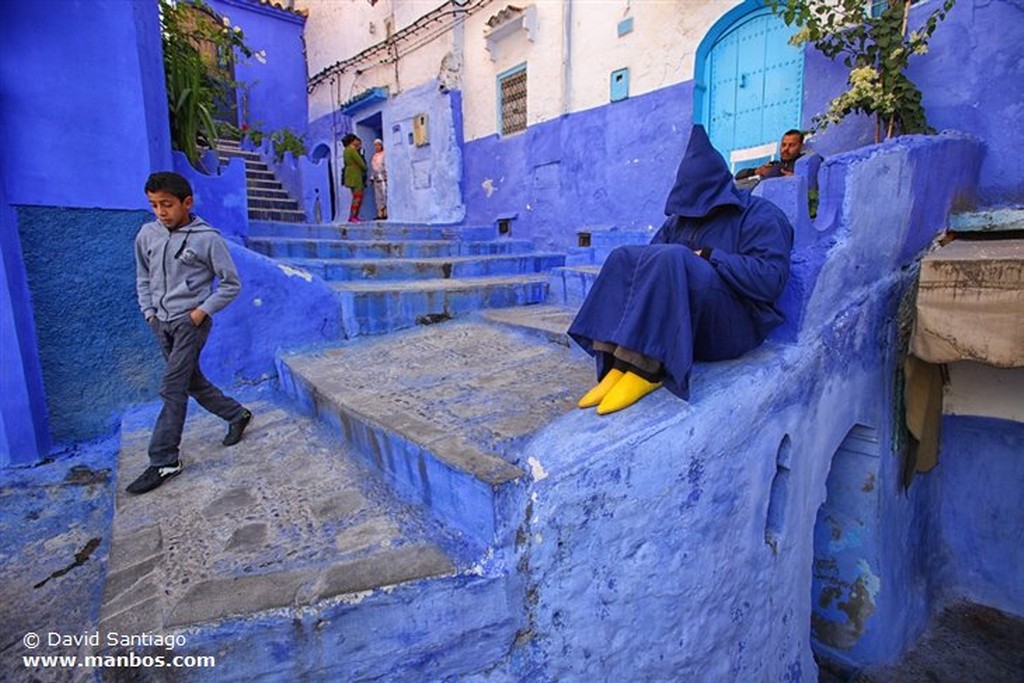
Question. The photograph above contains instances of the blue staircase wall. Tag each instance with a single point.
(220, 199)
(24, 423)
(279, 307)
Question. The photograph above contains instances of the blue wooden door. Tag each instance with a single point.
(755, 83)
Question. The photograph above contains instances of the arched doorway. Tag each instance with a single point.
(845, 580)
(749, 79)
(322, 151)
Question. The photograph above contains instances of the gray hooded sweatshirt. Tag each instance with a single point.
(174, 270)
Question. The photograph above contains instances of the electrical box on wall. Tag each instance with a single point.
(420, 134)
(620, 84)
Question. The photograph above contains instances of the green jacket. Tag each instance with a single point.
(355, 169)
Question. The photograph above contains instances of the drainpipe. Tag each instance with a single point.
(566, 56)
(393, 49)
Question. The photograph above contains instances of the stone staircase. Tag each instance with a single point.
(284, 558)
(268, 200)
(391, 276)
(378, 497)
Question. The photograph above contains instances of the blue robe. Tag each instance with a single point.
(667, 302)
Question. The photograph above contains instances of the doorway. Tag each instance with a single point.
(845, 584)
(749, 88)
(369, 129)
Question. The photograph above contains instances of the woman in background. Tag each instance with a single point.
(354, 173)
(379, 178)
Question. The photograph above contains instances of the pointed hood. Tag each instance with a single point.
(703, 180)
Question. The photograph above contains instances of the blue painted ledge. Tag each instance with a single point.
(676, 540)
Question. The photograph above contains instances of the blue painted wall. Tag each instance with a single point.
(97, 354)
(328, 130)
(81, 121)
(611, 165)
(24, 427)
(278, 308)
(980, 504)
(972, 80)
(424, 183)
(81, 125)
(277, 89)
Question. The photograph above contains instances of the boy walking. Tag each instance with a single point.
(177, 257)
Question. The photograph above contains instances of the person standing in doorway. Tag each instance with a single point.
(379, 178)
(354, 174)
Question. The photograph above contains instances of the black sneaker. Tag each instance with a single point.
(237, 428)
(153, 477)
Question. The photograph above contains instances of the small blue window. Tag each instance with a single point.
(620, 84)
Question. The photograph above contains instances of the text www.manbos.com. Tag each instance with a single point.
(128, 661)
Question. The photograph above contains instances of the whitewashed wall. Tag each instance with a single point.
(659, 52)
(339, 29)
(565, 73)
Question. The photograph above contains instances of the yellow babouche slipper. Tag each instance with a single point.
(594, 396)
(627, 391)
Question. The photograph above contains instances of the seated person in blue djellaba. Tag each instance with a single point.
(791, 148)
(704, 288)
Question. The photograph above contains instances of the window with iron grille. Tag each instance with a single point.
(512, 100)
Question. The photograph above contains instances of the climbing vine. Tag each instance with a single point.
(876, 50)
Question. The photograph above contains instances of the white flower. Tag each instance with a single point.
(260, 56)
(800, 37)
(238, 29)
(226, 21)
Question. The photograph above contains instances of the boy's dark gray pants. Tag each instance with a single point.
(181, 342)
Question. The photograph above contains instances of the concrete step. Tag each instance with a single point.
(374, 231)
(278, 193)
(381, 307)
(279, 247)
(287, 542)
(273, 203)
(443, 410)
(272, 184)
(252, 175)
(429, 268)
(277, 215)
(571, 284)
(227, 154)
(544, 321)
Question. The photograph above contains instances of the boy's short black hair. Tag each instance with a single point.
(166, 181)
(794, 131)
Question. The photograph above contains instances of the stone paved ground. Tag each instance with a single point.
(54, 539)
(285, 518)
